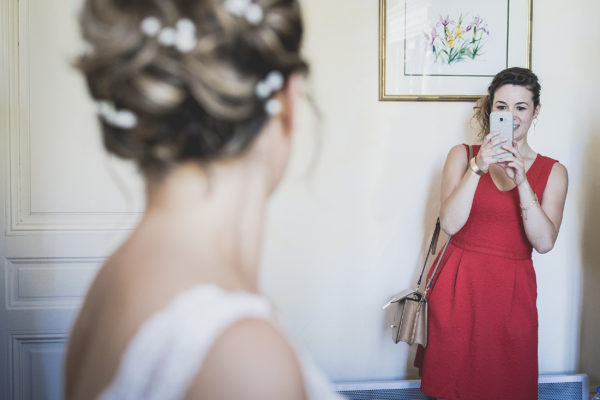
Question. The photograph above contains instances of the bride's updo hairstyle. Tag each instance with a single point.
(183, 80)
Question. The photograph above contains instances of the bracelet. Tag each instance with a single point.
(530, 204)
(475, 168)
(526, 207)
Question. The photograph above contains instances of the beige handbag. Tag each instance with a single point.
(410, 318)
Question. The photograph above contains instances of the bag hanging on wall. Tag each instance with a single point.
(410, 318)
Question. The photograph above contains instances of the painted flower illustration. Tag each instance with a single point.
(451, 41)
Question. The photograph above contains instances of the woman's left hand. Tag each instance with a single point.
(513, 165)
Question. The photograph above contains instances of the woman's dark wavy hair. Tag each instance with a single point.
(511, 76)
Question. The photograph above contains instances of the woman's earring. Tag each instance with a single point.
(535, 120)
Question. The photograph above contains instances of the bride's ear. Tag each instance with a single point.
(290, 95)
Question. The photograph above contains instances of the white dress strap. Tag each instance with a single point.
(168, 350)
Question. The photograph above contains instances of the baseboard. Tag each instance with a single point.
(550, 387)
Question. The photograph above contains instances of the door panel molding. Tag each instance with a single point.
(48, 283)
(25, 184)
(36, 362)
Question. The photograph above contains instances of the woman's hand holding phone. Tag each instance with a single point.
(499, 147)
(513, 165)
(489, 151)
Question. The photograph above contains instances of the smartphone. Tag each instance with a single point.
(501, 121)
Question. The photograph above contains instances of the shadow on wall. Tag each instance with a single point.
(589, 351)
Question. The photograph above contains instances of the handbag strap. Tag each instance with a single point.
(470, 155)
(434, 239)
(431, 250)
(436, 266)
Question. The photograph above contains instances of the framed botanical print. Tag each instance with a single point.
(439, 50)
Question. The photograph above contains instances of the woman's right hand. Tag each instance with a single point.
(486, 154)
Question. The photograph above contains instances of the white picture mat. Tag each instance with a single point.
(418, 14)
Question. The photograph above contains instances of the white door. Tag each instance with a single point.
(62, 210)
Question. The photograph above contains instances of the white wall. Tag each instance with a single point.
(347, 234)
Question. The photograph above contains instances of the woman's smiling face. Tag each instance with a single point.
(519, 101)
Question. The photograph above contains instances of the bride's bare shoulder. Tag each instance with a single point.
(251, 360)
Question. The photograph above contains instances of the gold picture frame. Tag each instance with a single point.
(450, 82)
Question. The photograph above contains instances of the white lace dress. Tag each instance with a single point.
(166, 353)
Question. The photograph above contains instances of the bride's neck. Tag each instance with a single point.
(216, 214)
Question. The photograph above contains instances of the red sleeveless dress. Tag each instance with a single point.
(482, 322)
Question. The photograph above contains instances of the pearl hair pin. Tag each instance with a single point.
(273, 107)
(272, 83)
(182, 36)
(265, 89)
(245, 8)
(124, 119)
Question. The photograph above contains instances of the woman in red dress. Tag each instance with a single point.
(483, 324)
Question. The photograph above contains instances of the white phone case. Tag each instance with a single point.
(501, 121)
